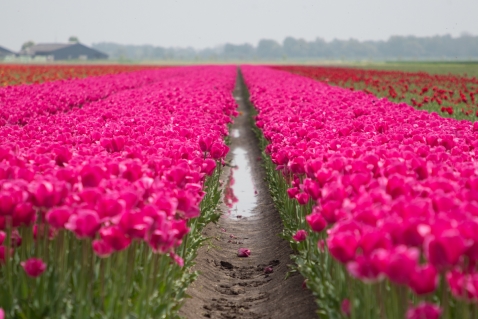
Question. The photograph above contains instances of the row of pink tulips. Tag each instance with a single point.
(21, 102)
(122, 177)
(394, 188)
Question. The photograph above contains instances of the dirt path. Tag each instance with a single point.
(232, 287)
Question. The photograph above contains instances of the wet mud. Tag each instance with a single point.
(253, 287)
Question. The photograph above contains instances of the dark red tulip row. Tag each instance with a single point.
(15, 74)
(453, 95)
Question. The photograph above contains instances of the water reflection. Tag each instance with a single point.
(240, 195)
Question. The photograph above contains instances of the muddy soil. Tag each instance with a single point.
(232, 287)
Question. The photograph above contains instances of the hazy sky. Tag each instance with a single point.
(205, 23)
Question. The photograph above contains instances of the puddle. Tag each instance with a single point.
(240, 194)
(235, 133)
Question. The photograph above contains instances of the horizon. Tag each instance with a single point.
(213, 23)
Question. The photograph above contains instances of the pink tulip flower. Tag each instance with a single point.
(424, 311)
(33, 267)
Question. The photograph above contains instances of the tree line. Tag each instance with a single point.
(443, 47)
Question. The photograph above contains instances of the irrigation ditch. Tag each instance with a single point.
(255, 287)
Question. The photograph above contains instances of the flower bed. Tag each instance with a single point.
(18, 104)
(451, 95)
(14, 74)
(102, 205)
(379, 199)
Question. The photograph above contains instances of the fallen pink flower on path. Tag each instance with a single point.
(243, 252)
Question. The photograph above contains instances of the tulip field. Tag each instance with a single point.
(101, 187)
(450, 95)
(378, 198)
(109, 174)
(28, 74)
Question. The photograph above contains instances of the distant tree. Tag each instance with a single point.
(27, 45)
(296, 48)
(269, 49)
(73, 39)
(240, 51)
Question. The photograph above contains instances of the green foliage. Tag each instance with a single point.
(134, 283)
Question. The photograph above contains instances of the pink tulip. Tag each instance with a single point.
(40, 231)
(373, 240)
(205, 143)
(7, 204)
(423, 280)
(243, 252)
(177, 259)
(401, 263)
(218, 150)
(424, 311)
(312, 188)
(316, 222)
(58, 217)
(115, 238)
(102, 248)
(463, 286)
(208, 166)
(3, 254)
(33, 267)
(2, 313)
(300, 235)
(85, 223)
(15, 239)
(62, 155)
(302, 198)
(24, 214)
(446, 249)
(345, 307)
(342, 246)
(91, 175)
(47, 194)
(293, 192)
(364, 268)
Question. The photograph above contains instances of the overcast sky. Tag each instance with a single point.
(207, 23)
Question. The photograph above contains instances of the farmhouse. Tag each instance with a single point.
(63, 51)
(5, 52)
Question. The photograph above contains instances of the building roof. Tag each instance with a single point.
(5, 51)
(50, 48)
(46, 47)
